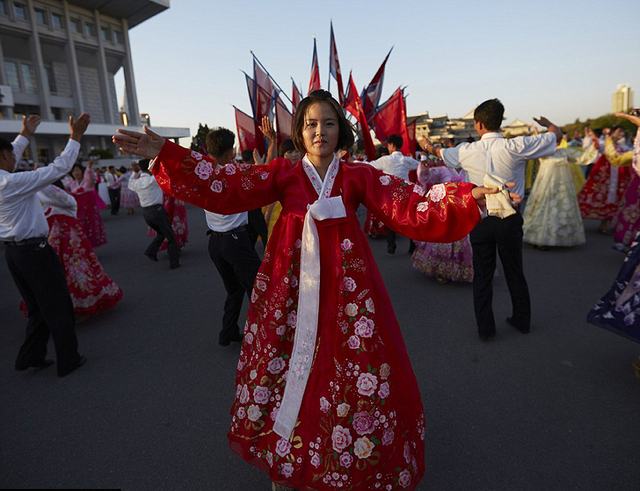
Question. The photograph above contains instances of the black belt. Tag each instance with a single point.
(42, 241)
(152, 206)
(242, 228)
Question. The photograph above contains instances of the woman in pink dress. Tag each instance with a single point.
(82, 187)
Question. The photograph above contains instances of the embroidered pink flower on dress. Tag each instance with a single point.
(350, 284)
(343, 410)
(229, 169)
(353, 342)
(404, 479)
(254, 413)
(370, 306)
(324, 404)
(292, 318)
(283, 447)
(346, 460)
(274, 413)
(385, 371)
(254, 296)
(261, 394)
(261, 285)
(363, 423)
(384, 390)
(346, 245)
(407, 452)
(423, 206)
(351, 309)
(294, 282)
(204, 169)
(287, 470)
(367, 384)
(363, 447)
(270, 459)
(315, 460)
(244, 394)
(241, 413)
(196, 155)
(437, 192)
(387, 437)
(418, 189)
(385, 180)
(280, 330)
(248, 337)
(344, 327)
(264, 175)
(276, 365)
(340, 438)
(216, 186)
(364, 327)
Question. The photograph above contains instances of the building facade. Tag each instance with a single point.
(60, 57)
(439, 128)
(622, 100)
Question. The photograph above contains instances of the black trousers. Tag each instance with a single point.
(40, 278)
(237, 262)
(114, 197)
(391, 240)
(158, 219)
(505, 235)
(257, 226)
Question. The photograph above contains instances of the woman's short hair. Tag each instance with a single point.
(79, 166)
(345, 136)
(286, 146)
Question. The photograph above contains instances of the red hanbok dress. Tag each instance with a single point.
(91, 290)
(178, 217)
(89, 204)
(608, 180)
(325, 394)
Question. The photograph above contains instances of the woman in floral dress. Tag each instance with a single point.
(177, 212)
(326, 397)
(82, 187)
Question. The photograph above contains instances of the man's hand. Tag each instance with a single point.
(79, 126)
(257, 158)
(479, 194)
(146, 145)
(634, 119)
(542, 121)
(29, 125)
(267, 128)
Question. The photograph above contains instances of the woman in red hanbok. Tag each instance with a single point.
(325, 394)
(607, 182)
(92, 291)
(177, 212)
(82, 187)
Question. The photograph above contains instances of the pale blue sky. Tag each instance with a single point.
(562, 59)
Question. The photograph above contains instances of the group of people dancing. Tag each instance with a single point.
(325, 394)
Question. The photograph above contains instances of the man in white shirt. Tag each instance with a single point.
(398, 165)
(150, 194)
(113, 184)
(230, 246)
(504, 158)
(33, 264)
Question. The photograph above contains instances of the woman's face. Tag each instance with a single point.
(320, 130)
(293, 155)
(76, 173)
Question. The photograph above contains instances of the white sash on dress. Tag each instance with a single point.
(304, 344)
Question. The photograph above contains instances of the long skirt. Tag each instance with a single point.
(90, 219)
(452, 261)
(627, 222)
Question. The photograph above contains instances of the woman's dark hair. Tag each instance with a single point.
(345, 136)
(490, 114)
(381, 150)
(286, 146)
(79, 166)
(144, 165)
(5, 145)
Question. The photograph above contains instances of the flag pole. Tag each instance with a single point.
(272, 79)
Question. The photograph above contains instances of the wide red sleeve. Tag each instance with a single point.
(199, 180)
(447, 213)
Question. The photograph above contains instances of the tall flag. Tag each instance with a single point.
(390, 119)
(284, 120)
(246, 129)
(334, 67)
(353, 104)
(314, 81)
(261, 104)
(296, 96)
(266, 91)
(371, 95)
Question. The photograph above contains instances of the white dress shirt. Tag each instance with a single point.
(147, 188)
(502, 157)
(57, 201)
(113, 181)
(21, 215)
(395, 164)
(224, 223)
(19, 145)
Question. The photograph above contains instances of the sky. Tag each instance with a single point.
(562, 59)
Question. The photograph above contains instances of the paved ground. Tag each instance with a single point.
(556, 409)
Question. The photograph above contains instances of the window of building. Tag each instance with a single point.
(75, 25)
(20, 11)
(104, 33)
(89, 30)
(50, 79)
(41, 17)
(11, 69)
(117, 37)
(29, 85)
(3, 7)
(56, 21)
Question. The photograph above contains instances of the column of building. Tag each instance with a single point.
(129, 79)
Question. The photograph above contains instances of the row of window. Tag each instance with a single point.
(56, 20)
(21, 76)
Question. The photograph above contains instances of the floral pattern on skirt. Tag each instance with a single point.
(177, 212)
(90, 219)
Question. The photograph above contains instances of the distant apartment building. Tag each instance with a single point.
(438, 128)
(622, 100)
(59, 57)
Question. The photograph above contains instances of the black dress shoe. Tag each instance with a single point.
(39, 366)
(237, 338)
(391, 249)
(81, 361)
(522, 329)
(174, 266)
(487, 336)
(152, 257)
(412, 247)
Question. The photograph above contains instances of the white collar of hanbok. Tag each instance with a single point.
(323, 188)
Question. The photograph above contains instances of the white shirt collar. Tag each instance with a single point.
(493, 134)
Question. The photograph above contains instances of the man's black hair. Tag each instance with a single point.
(5, 145)
(247, 156)
(490, 114)
(144, 165)
(396, 141)
(219, 141)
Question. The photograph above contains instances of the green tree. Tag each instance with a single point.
(198, 142)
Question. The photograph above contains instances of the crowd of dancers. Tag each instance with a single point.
(326, 397)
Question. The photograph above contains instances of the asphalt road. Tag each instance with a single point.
(558, 408)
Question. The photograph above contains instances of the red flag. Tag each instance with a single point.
(371, 95)
(334, 66)
(391, 119)
(353, 104)
(266, 90)
(296, 96)
(284, 120)
(314, 82)
(246, 129)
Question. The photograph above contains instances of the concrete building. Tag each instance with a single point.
(622, 100)
(59, 57)
(437, 128)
